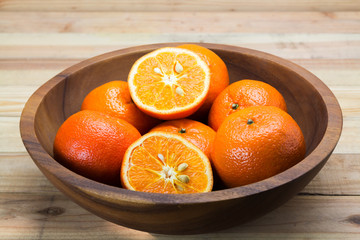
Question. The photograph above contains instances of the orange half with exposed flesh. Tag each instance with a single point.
(169, 83)
(161, 162)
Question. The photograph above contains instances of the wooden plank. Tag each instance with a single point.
(336, 73)
(26, 80)
(85, 45)
(37, 64)
(13, 99)
(349, 140)
(37, 216)
(10, 138)
(184, 5)
(340, 176)
(281, 40)
(19, 174)
(180, 22)
(349, 100)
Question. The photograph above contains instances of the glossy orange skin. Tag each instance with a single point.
(246, 153)
(219, 79)
(245, 93)
(114, 98)
(93, 144)
(196, 132)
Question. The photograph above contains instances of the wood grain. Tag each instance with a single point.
(340, 176)
(175, 22)
(10, 136)
(82, 45)
(184, 5)
(37, 216)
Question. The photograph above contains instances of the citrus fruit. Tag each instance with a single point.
(93, 144)
(242, 94)
(114, 98)
(219, 76)
(256, 143)
(195, 132)
(161, 162)
(169, 83)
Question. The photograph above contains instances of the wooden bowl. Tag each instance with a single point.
(309, 101)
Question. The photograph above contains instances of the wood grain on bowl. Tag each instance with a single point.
(309, 101)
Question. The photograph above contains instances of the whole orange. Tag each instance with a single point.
(93, 144)
(256, 143)
(113, 98)
(243, 94)
(195, 132)
(219, 78)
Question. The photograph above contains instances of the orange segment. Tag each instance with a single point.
(147, 66)
(141, 177)
(164, 98)
(147, 79)
(162, 162)
(152, 163)
(166, 61)
(169, 83)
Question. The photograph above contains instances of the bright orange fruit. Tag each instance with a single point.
(93, 144)
(195, 132)
(256, 143)
(219, 76)
(243, 94)
(169, 83)
(161, 162)
(114, 98)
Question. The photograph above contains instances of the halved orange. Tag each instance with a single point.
(161, 162)
(169, 83)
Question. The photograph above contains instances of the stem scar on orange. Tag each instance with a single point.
(93, 144)
(256, 143)
(161, 162)
(195, 132)
(243, 94)
(169, 83)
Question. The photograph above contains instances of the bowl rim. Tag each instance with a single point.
(113, 195)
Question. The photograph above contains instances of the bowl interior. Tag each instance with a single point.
(304, 102)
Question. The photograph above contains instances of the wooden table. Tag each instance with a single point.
(38, 39)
